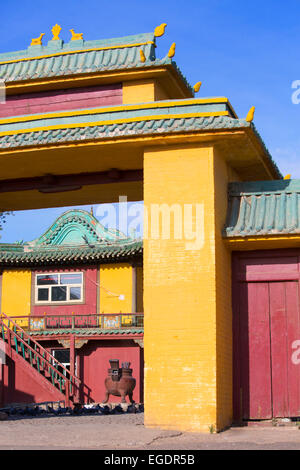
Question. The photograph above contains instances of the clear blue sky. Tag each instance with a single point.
(247, 51)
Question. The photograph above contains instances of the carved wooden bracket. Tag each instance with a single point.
(140, 342)
(78, 343)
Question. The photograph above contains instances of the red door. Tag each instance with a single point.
(267, 347)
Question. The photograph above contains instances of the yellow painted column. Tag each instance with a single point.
(180, 294)
(223, 175)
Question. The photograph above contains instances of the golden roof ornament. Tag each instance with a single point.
(76, 36)
(287, 177)
(37, 41)
(250, 114)
(171, 52)
(197, 87)
(55, 31)
(160, 30)
(142, 56)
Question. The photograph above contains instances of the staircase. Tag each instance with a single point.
(21, 346)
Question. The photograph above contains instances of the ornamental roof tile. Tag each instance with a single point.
(105, 253)
(263, 208)
(79, 57)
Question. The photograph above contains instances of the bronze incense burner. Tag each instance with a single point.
(119, 382)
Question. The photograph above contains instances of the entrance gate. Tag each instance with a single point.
(267, 336)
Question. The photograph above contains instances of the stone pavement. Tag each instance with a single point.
(127, 432)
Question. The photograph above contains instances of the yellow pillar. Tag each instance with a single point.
(180, 299)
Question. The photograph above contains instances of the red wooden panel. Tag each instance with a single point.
(293, 347)
(268, 269)
(255, 352)
(279, 349)
(61, 100)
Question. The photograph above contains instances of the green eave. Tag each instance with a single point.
(119, 252)
(263, 208)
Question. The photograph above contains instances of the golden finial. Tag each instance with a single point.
(76, 36)
(160, 30)
(171, 52)
(250, 114)
(142, 56)
(92, 210)
(197, 87)
(287, 177)
(37, 41)
(55, 31)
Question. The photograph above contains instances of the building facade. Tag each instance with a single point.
(88, 121)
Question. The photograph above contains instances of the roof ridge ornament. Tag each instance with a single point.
(55, 31)
(250, 115)
(197, 87)
(160, 30)
(142, 56)
(76, 36)
(37, 41)
(171, 52)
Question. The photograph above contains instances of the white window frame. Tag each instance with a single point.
(49, 287)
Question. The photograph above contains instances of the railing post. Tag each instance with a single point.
(67, 392)
(8, 341)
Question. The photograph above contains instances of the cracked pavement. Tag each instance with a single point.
(127, 431)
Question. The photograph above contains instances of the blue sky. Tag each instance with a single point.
(247, 51)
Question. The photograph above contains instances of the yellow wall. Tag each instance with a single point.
(16, 293)
(143, 91)
(180, 297)
(115, 279)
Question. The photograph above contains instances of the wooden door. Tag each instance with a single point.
(269, 349)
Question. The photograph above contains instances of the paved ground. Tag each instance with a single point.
(127, 431)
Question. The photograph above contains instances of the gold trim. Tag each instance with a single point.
(156, 117)
(261, 238)
(130, 107)
(121, 46)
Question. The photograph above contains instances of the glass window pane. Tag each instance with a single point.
(62, 355)
(46, 279)
(59, 294)
(71, 278)
(75, 293)
(43, 294)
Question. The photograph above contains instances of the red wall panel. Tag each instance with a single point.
(93, 361)
(61, 100)
(90, 294)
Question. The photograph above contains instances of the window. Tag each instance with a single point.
(59, 288)
(63, 356)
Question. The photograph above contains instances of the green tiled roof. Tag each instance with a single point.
(105, 253)
(263, 208)
(105, 131)
(57, 59)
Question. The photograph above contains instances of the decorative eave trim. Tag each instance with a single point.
(115, 121)
(78, 51)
